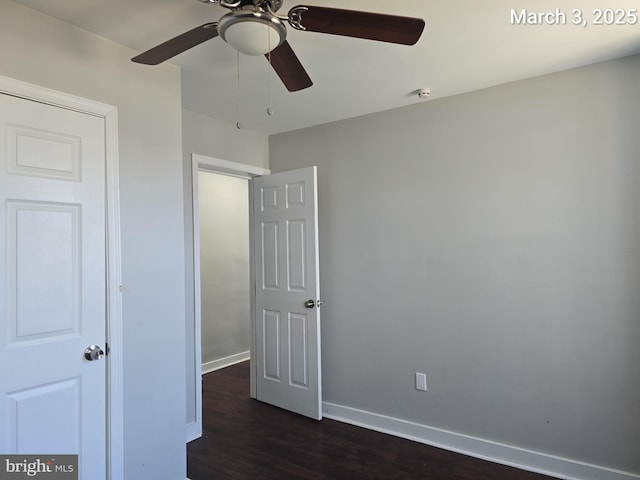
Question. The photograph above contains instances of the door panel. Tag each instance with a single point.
(52, 282)
(286, 263)
(271, 345)
(296, 256)
(298, 367)
(270, 272)
(43, 302)
(36, 152)
(35, 429)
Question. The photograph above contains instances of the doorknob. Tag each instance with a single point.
(94, 352)
(312, 303)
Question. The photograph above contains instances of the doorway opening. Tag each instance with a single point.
(223, 274)
(223, 205)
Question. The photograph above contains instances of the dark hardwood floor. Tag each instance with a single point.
(246, 439)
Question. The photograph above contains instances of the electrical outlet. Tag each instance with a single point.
(421, 381)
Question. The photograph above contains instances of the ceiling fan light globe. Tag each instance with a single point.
(252, 38)
(252, 33)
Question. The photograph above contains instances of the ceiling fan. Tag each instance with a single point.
(253, 27)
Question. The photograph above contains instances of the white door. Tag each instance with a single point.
(52, 283)
(287, 319)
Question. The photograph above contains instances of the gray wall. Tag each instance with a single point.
(492, 240)
(211, 137)
(44, 51)
(224, 265)
(207, 136)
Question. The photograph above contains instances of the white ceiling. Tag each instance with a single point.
(466, 45)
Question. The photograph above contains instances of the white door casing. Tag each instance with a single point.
(285, 230)
(53, 289)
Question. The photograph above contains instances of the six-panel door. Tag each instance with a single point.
(286, 265)
(52, 282)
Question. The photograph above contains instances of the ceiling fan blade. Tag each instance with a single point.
(286, 64)
(351, 23)
(178, 44)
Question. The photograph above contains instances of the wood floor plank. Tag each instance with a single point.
(246, 439)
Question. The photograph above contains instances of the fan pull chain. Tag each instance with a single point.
(269, 105)
(238, 122)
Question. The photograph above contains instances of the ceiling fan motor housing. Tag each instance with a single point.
(273, 5)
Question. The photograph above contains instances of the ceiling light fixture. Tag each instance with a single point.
(252, 32)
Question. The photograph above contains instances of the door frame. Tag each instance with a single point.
(204, 163)
(113, 315)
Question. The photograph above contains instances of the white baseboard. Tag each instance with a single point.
(225, 362)
(194, 431)
(475, 447)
